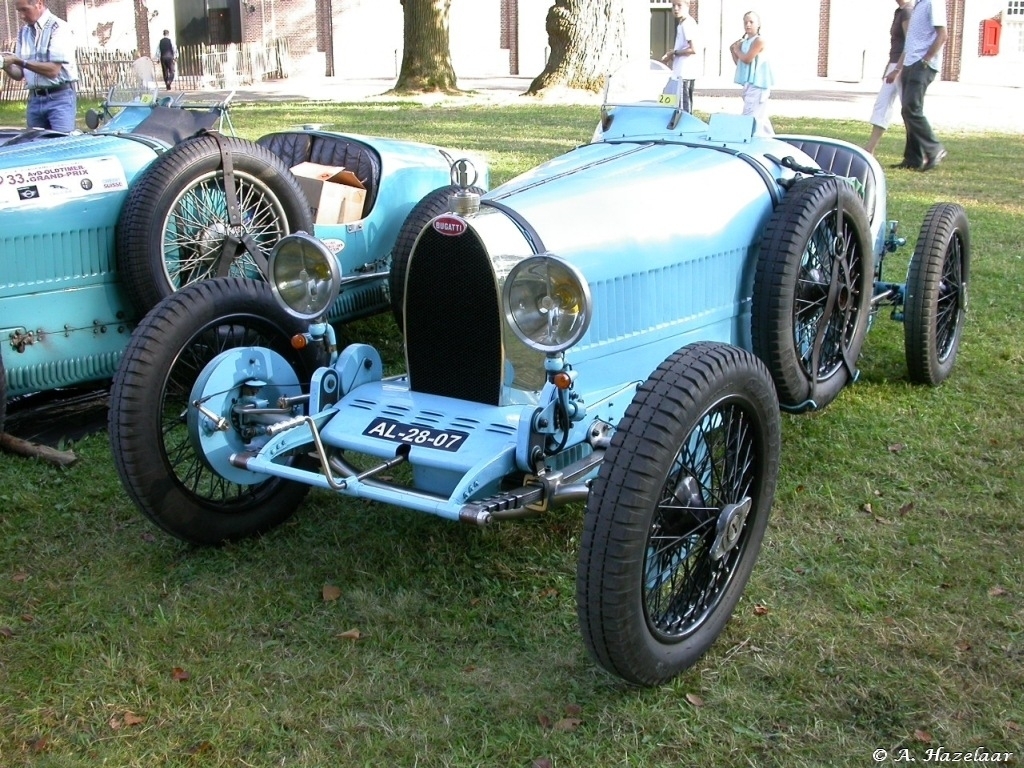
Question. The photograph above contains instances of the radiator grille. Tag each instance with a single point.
(66, 257)
(59, 373)
(359, 301)
(453, 319)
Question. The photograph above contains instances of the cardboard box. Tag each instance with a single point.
(335, 195)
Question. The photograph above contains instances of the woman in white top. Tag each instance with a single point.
(754, 73)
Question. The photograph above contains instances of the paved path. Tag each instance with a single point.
(950, 106)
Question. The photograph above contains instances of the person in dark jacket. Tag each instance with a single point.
(168, 56)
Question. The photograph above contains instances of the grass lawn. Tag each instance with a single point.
(886, 610)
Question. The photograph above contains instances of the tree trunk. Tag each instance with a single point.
(587, 39)
(426, 58)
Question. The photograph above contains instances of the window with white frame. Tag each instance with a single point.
(1013, 27)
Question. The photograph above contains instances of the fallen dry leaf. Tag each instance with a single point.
(1015, 727)
(179, 674)
(20, 576)
(126, 720)
(541, 762)
(331, 592)
(573, 710)
(28, 618)
(6, 632)
(963, 646)
(906, 508)
(695, 700)
(351, 634)
(866, 508)
(896, 448)
(922, 736)
(39, 745)
(760, 610)
(882, 520)
(567, 724)
(544, 721)
(200, 748)
(998, 592)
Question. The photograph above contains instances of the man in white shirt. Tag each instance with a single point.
(921, 62)
(683, 56)
(44, 58)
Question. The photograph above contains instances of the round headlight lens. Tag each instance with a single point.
(547, 303)
(304, 276)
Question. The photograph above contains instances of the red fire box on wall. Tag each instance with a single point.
(991, 30)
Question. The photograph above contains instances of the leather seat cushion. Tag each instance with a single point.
(296, 147)
(842, 161)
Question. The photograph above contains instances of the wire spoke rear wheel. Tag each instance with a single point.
(936, 294)
(812, 291)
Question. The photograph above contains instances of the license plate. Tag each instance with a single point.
(411, 434)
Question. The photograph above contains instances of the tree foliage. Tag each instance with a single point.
(426, 58)
(587, 39)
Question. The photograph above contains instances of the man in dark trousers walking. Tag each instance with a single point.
(920, 64)
(167, 54)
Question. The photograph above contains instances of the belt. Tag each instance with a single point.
(48, 89)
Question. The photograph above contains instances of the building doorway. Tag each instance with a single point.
(663, 28)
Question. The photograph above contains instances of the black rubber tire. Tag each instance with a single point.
(431, 205)
(936, 295)
(799, 272)
(159, 466)
(175, 219)
(710, 409)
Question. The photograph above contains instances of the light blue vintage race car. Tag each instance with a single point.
(96, 228)
(618, 326)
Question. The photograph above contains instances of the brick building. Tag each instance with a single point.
(839, 39)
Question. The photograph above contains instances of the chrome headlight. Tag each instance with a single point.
(547, 303)
(304, 276)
